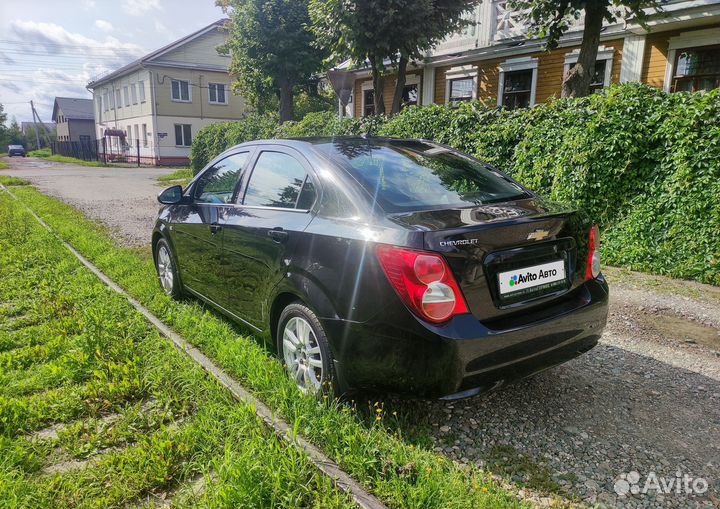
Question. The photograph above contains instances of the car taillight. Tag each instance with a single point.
(593, 261)
(423, 281)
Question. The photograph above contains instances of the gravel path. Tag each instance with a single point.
(645, 400)
(122, 198)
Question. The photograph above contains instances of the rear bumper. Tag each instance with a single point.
(399, 353)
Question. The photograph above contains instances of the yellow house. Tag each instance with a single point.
(494, 61)
(157, 104)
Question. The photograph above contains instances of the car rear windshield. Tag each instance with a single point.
(413, 175)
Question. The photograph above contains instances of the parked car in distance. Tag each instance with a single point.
(382, 264)
(16, 150)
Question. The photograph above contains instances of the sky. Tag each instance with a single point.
(52, 48)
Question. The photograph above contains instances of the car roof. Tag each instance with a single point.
(322, 140)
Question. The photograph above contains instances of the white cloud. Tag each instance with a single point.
(55, 40)
(140, 7)
(66, 76)
(88, 4)
(103, 25)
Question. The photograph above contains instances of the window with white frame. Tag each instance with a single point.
(693, 61)
(112, 100)
(183, 136)
(106, 101)
(144, 135)
(602, 71)
(98, 101)
(518, 83)
(133, 93)
(461, 84)
(118, 99)
(411, 92)
(141, 90)
(126, 95)
(217, 93)
(368, 99)
(180, 90)
(137, 133)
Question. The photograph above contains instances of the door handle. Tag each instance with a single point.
(215, 228)
(278, 234)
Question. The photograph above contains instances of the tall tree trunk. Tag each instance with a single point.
(400, 85)
(286, 101)
(577, 81)
(378, 85)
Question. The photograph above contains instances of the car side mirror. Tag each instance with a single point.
(171, 195)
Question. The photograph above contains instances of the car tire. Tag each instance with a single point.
(307, 357)
(166, 268)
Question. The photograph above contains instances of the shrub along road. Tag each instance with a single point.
(646, 399)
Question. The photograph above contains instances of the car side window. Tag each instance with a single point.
(279, 180)
(218, 183)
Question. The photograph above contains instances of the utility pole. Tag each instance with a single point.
(37, 133)
(46, 134)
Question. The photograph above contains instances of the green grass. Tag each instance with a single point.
(46, 154)
(4, 165)
(6, 180)
(147, 420)
(43, 152)
(367, 444)
(180, 177)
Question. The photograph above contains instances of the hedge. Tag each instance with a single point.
(644, 163)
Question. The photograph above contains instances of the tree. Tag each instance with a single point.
(381, 31)
(361, 31)
(552, 18)
(272, 50)
(418, 27)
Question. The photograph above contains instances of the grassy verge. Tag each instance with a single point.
(180, 177)
(43, 152)
(399, 472)
(13, 181)
(97, 410)
(4, 165)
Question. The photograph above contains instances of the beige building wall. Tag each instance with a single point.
(199, 105)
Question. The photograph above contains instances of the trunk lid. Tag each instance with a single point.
(487, 242)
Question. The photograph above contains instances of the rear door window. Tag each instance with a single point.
(217, 184)
(279, 180)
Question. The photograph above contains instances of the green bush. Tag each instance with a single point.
(645, 164)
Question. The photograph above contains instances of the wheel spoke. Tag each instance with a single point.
(292, 337)
(289, 346)
(299, 374)
(316, 363)
(315, 350)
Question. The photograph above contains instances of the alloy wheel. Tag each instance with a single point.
(165, 269)
(302, 354)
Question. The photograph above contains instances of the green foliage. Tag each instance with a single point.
(550, 19)
(643, 163)
(272, 50)
(43, 152)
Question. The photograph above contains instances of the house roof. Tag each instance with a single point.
(150, 57)
(24, 126)
(73, 108)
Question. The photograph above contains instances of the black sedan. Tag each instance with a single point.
(383, 264)
(16, 150)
